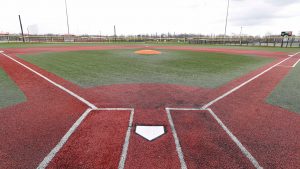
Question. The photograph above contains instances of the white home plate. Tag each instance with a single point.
(150, 132)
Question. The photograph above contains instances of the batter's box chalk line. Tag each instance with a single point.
(66, 137)
(223, 126)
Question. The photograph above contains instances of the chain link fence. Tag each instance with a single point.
(275, 41)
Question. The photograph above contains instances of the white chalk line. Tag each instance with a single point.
(66, 137)
(52, 82)
(285, 66)
(126, 143)
(56, 149)
(127, 137)
(229, 133)
(236, 141)
(296, 63)
(293, 66)
(205, 107)
(176, 139)
(246, 82)
(294, 54)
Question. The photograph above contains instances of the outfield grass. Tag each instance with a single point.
(287, 93)
(95, 68)
(10, 94)
(33, 44)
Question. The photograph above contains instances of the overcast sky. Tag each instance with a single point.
(257, 17)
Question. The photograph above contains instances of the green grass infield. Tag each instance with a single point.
(106, 67)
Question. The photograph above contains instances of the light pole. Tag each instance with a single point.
(226, 20)
(67, 17)
(115, 33)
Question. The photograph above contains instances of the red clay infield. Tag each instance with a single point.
(97, 142)
(30, 130)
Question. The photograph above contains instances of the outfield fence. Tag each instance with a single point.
(275, 41)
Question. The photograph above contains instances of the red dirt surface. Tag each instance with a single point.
(97, 143)
(291, 61)
(269, 132)
(160, 153)
(205, 143)
(31, 129)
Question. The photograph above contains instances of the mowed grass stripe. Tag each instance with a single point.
(10, 94)
(287, 92)
(106, 67)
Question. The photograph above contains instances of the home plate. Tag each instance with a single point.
(150, 132)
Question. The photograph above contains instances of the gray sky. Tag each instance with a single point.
(257, 17)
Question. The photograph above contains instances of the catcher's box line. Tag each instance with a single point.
(246, 82)
(52, 82)
(228, 132)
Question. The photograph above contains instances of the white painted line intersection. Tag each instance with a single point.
(245, 83)
(66, 137)
(92, 106)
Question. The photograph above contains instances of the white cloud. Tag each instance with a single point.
(141, 16)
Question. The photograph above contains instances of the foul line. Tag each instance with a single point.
(66, 137)
(236, 141)
(230, 134)
(293, 66)
(296, 63)
(246, 82)
(52, 82)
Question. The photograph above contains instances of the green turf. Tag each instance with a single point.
(94, 68)
(265, 48)
(36, 44)
(287, 93)
(10, 94)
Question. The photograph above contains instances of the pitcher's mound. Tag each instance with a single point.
(147, 52)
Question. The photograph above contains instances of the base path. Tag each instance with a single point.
(31, 129)
(270, 132)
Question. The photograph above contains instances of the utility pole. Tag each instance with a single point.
(21, 29)
(67, 15)
(241, 35)
(100, 37)
(115, 33)
(28, 34)
(226, 20)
